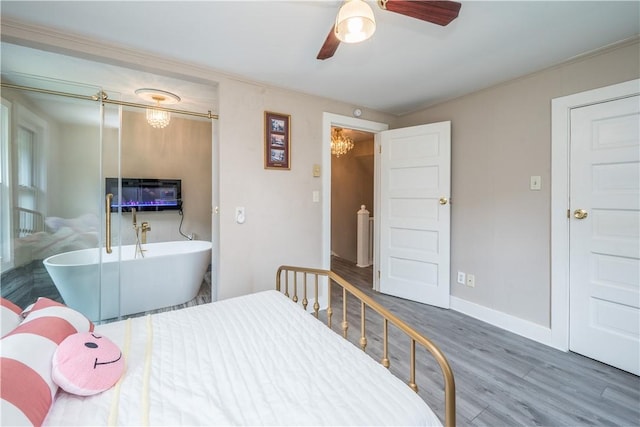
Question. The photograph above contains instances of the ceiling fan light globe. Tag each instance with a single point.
(354, 25)
(355, 22)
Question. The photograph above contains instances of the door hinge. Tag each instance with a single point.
(380, 149)
(568, 213)
(378, 274)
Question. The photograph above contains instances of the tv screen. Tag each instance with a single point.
(145, 194)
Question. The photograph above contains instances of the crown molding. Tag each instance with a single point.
(66, 43)
(45, 38)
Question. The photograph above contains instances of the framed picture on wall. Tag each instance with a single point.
(277, 142)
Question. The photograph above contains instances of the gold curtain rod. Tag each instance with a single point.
(103, 97)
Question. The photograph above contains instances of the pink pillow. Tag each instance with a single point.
(87, 363)
(9, 316)
(25, 365)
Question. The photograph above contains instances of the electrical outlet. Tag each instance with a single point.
(461, 278)
(471, 280)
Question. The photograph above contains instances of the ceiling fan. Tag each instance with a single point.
(437, 12)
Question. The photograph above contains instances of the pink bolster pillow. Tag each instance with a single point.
(9, 316)
(25, 366)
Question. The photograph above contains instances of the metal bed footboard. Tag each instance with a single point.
(28, 222)
(292, 284)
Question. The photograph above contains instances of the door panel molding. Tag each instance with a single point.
(560, 137)
(413, 222)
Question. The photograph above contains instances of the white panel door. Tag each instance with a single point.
(415, 182)
(604, 233)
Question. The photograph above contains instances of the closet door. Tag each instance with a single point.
(604, 232)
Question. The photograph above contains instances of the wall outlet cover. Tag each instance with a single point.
(471, 280)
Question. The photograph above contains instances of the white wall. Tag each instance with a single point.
(500, 137)
(283, 225)
(182, 150)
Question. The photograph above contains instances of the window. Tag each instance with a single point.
(22, 174)
(5, 187)
(28, 221)
(29, 173)
(26, 171)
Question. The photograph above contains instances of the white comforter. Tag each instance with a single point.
(253, 360)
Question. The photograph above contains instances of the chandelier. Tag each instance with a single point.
(156, 116)
(340, 143)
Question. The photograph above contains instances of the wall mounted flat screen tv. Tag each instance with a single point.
(145, 194)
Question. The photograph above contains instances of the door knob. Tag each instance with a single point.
(580, 214)
(444, 200)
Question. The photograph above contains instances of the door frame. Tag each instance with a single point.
(329, 120)
(560, 170)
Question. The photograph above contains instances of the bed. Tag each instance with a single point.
(258, 359)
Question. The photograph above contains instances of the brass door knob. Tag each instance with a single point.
(444, 200)
(580, 214)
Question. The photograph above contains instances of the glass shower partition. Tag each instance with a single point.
(53, 216)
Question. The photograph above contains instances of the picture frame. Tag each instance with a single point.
(277, 141)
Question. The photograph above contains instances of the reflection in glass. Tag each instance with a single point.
(51, 186)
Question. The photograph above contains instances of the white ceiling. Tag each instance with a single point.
(407, 65)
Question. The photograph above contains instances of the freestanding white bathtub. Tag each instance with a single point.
(170, 273)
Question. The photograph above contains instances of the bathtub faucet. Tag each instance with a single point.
(145, 227)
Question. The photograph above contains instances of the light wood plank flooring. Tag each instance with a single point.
(502, 379)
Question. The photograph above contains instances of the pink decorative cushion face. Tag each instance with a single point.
(87, 363)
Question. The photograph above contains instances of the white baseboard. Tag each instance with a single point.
(504, 321)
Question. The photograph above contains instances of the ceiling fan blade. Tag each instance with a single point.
(437, 12)
(330, 46)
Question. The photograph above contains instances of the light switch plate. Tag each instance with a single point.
(316, 170)
(535, 183)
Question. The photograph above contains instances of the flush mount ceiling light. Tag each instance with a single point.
(355, 22)
(340, 143)
(156, 116)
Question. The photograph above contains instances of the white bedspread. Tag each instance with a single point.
(252, 360)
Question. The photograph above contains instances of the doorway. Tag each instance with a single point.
(425, 151)
(352, 179)
(333, 120)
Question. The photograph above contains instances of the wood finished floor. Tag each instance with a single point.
(502, 379)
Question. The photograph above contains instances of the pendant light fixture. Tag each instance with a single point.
(156, 116)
